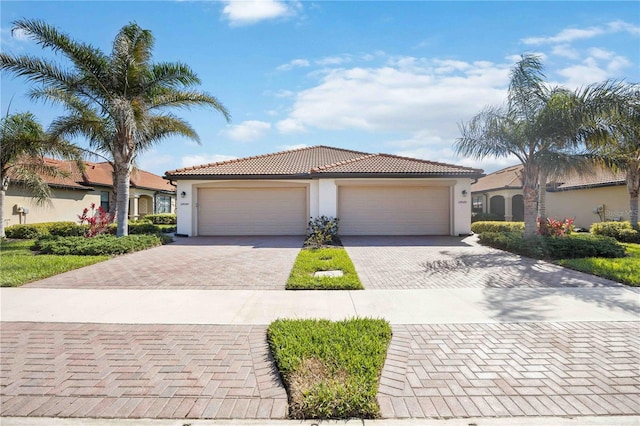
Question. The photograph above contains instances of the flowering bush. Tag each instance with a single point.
(97, 221)
(555, 228)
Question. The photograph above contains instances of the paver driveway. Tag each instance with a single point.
(412, 262)
(222, 263)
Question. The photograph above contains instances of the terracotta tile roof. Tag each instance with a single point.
(509, 178)
(505, 178)
(599, 177)
(319, 160)
(101, 174)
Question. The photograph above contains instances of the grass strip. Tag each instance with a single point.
(330, 369)
(19, 265)
(310, 261)
(625, 270)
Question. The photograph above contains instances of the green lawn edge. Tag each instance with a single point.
(331, 369)
(310, 260)
(20, 265)
(625, 270)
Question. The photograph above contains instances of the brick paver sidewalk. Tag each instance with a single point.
(527, 369)
(135, 371)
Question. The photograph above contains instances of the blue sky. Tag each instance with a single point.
(391, 77)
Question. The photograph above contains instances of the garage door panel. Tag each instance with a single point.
(394, 210)
(252, 211)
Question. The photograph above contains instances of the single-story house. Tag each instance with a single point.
(149, 193)
(371, 194)
(593, 197)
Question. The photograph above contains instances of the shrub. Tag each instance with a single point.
(143, 228)
(621, 231)
(162, 218)
(555, 228)
(99, 245)
(321, 231)
(67, 229)
(486, 217)
(97, 221)
(24, 232)
(494, 226)
(554, 248)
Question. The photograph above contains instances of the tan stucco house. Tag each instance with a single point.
(149, 193)
(371, 194)
(594, 197)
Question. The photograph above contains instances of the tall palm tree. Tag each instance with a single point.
(24, 145)
(614, 134)
(538, 125)
(117, 100)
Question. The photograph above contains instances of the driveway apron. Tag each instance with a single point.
(222, 263)
(419, 262)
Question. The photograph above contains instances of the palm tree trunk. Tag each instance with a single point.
(2, 193)
(633, 185)
(122, 200)
(530, 197)
(542, 204)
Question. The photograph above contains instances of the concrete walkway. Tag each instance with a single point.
(475, 346)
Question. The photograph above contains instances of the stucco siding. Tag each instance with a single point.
(580, 203)
(65, 205)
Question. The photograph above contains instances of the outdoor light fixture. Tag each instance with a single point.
(464, 192)
(183, 194)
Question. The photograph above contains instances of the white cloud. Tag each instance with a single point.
(248, 131)
(296, 63)
(12, 39)
(154, 162)
(334, 60)
(566, 51)
(292, 147)
(569, 35)
(408, 95)
(247, 12)
(289, 125)
(201, 159)
(600, 66)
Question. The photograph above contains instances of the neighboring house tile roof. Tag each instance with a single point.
(101, 174)
(509, 178)
(600, 177)
(321, 161)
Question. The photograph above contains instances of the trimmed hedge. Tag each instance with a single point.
(162, 218)
(36, 230)
(621, 231)
(554, 248)
(100, 245)
(143, 227)
(496, 226)
(486, 217)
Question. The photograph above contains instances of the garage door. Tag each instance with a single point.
(393, 210)
(252, 211)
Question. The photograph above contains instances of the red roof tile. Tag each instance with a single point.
(318, 160)
(510, 178)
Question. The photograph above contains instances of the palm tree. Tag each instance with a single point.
(24, 145)
(614, 134)
(117, 100)
(538, 125)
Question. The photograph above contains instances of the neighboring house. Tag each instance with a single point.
(371, 194)
(148, 194)
(594, 197)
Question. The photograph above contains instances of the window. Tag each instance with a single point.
(163, 204)
(477, 204)
(104, 200)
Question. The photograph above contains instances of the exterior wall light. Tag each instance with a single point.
(183, 194)
(464, 192)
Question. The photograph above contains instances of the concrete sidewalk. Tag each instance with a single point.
(245, 307)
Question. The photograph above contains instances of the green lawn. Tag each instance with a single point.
(625, 270)
(310, 261)
(19, 265)
(330, 369)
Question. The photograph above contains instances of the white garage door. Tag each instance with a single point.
(393, 210)
(252, 211)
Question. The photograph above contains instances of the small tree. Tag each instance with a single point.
(24, 146)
